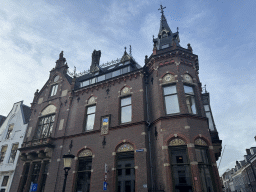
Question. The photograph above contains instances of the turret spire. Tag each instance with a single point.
(163, 24)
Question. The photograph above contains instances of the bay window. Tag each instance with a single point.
(171, 99)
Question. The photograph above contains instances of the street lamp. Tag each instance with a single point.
(67, 164)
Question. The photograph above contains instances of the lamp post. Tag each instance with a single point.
(67, 164)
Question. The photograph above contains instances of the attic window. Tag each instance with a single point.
(112, 67)
(165, 46)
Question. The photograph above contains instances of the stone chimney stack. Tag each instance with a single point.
(95, 61)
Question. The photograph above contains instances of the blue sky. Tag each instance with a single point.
(221, 33)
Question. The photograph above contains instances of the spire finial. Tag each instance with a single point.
(162, 9)
(130, 50)
(125, 49)
(177, 29)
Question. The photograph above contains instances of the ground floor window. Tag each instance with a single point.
(180, 166)
(84, 171)
(125, 172)
(4, 183)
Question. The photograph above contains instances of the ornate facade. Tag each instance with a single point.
(137, 128)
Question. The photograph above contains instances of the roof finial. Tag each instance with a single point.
(130, 50)
(177, 29)
(125, 49)
(162, 9)
(204, 88)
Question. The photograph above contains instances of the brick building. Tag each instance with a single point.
(139, 128)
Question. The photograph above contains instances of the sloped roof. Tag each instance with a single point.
(27, 112)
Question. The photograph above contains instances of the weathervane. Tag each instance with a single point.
(162, 9)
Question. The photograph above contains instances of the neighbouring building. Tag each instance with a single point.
(242, 177)
(12, 133)
(136, 127)
(2, 118)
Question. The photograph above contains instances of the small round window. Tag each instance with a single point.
(56, 78)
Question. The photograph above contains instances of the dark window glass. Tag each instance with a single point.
(84, 174)
(126, 110)
(5, 181)
(44, 128)
(125, 165)
(190, 99)
(90, 117)
(205, 169)
(3, 152)
(46, 167)
(54, 90)
(9, 131)
(171, 99)
(180, 169)
(13, 152)
(35, 172)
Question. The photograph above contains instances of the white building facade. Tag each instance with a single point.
(12, 133)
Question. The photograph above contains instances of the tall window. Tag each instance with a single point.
(46, 167)
(126, 109)
(84, 171)
(90, 117)
(190, 99)
(9, 131)
(35, 172)
(171, 99)
(54, 90)
(3, 152)
(13, 152)
(209, 116)
(180, 166)
(45, 126)
(125, 169)
(24, 177)
(4, 184)
(204, 165)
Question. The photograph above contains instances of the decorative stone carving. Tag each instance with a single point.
(91, 100)
(200, 142)
(125, 91)
(187, 78)
(168, 78)
(48, 110)
(85, 153)
(176, 142)
(125, 147)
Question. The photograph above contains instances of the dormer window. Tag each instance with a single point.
(54, 90)
(9, 132)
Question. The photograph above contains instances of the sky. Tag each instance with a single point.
(221, 33)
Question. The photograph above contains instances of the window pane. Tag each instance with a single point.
(206, 108)
(91, 109)
(188, 90)
(116, 73)
(211, 126)
(126, 114)
(126, 70)
(191, 104)
(172, 105)
(170, 90)
(108, 75)
(90, 122)
(85, 83)
(5, 181)
(93, 80)
(101, 78)
(126, 101)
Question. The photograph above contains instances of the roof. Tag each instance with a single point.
(2, 119)
(27, 112)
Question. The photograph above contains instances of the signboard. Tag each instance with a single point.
(105, 186)
(33, 187)
(139, 150)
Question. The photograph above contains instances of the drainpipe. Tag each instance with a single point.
(149, 136)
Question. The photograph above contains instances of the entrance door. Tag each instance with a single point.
(125, 173)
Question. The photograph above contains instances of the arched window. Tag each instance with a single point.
(84, 171)
(46, 121)
(204, 165)
(125, 168)
(180, 165)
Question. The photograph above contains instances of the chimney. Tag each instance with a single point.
(95, 61)
(248, 152)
